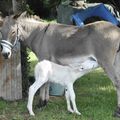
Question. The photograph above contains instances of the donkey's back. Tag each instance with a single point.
(68, 44)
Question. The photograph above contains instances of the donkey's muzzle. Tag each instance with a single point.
(6, 48)
(6, 55)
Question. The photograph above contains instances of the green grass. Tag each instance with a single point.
(95, 97)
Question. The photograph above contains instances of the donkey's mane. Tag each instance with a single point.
(30, 17)
(29, 23)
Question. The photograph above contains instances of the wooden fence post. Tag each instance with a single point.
(10, 76)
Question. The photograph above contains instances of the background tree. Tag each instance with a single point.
(6, 7)
(44, 8)
(18, 6)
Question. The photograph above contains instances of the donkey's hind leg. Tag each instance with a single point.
(117, 71)
(115, 78)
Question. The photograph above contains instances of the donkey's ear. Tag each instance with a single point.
(20, 15)
(1, 21)
(16, 16)
(24, 14)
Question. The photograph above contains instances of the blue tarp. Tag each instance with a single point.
(98, 10)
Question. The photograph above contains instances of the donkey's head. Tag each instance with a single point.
(9, 32)
(17, 27)
(6, 26)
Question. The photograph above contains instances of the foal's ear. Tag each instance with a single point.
(1, 21)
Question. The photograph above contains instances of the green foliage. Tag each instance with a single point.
(43, 8)
(46, 2)
(31, 12)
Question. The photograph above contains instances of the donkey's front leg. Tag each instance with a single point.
(47, 92)
(44, 95)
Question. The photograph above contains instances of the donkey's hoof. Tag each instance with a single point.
(117, 112)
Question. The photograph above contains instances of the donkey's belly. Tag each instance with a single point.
(88, 64)
(75, 59)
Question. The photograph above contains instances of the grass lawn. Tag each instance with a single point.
(95, 97)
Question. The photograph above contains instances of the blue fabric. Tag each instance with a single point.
(98, 10)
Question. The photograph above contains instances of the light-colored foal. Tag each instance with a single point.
(46, 71)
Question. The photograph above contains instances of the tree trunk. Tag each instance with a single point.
(18, 6)
(6, 7)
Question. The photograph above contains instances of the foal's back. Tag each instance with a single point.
(52, 71)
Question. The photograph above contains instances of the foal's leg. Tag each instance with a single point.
(67, 96)
(72, 98)
(32, 90)
(41, 77)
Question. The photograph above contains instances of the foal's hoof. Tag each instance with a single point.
(32, 114)
(117, 112)
(77, 112)
(70, 110)
(42, 103)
